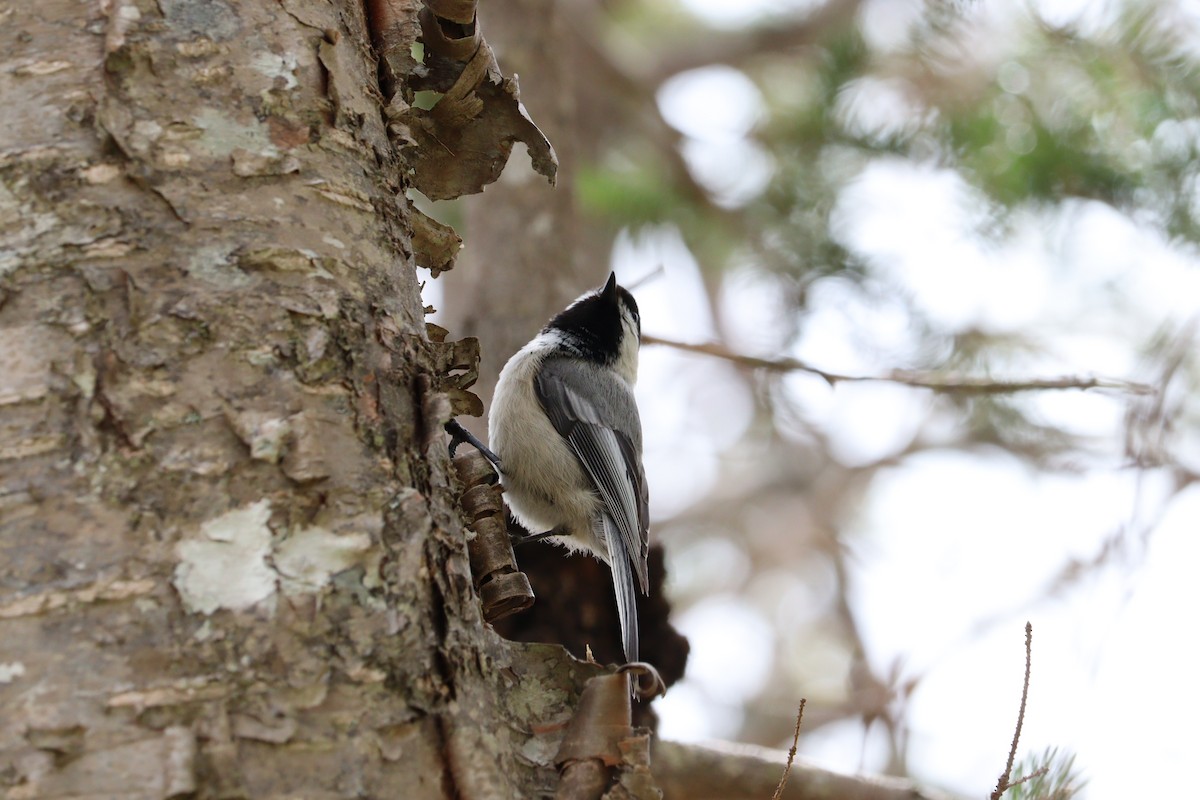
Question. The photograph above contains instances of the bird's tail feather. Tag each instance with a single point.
(623, 585)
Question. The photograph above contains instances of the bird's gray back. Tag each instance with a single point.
(611, 397)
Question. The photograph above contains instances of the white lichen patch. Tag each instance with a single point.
(224, 565)
(25, 354)
(264, 432)
(276, 66)
(212, 264)
(24, 229)
(108, 247)
(11, 671)
(223, 135)
(101, 173)
(39, 68)
(308, 558)
(234, 561)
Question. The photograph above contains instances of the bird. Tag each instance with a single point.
(564, 423)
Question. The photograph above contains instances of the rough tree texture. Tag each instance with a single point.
(229, 561)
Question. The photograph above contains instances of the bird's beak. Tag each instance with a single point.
(609, 292)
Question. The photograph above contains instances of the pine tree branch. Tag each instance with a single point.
(948, 383)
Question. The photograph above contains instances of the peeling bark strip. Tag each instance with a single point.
(435, 246)
(455, 365)
(601, 747)
(460, 144)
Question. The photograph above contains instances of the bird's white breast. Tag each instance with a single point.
(536, 464)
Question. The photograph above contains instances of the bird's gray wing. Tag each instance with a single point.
(596, 414)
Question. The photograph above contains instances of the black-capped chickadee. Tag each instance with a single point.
(565, 425)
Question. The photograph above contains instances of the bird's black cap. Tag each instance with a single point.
(593, 322)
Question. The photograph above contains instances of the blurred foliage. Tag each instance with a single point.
(1045, 116)
(1059, 782)
(1084, 125)
(628, 196)
(1029, 114)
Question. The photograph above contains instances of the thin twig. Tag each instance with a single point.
(1037, 773)
(949, 383)
(791, 753)
(657, 272)
(1003, 784)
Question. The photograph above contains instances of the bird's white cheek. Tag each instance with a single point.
(627, 362)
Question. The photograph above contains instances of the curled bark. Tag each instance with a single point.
(462, 140)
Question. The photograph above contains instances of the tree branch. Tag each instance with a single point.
(949, 383)
(746, 772)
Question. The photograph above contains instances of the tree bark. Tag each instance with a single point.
(230, 560)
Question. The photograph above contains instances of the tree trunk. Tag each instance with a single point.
(231, 564)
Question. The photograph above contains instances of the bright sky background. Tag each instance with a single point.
(950, 544)
(953, 551)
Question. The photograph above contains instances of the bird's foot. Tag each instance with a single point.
(521, 538)
(459, 435)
